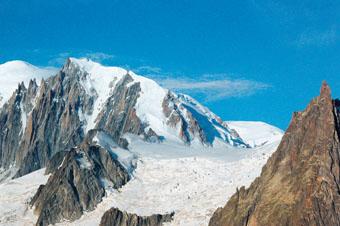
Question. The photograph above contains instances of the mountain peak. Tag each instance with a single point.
(91, 67)
(15, 64)
(14, 72)
(85, 63)
(325, 91)
(299, 185)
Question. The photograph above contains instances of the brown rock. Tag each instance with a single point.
(299, 185)
(115, 217)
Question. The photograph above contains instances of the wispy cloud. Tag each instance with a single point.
(214, 89)
(148, 70)
(99, 56)
(211, 87)
(317, 38)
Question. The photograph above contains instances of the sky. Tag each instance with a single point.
(257, 60)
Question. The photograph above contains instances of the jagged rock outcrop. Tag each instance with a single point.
(116, 217)
(123, 118)
(78, 183)
(54, 124)
(13, 121)
(39, 122)
(299, 185)
(185, 114)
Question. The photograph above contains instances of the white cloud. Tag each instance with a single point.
(148, 70)
(213, 87)
(317, 38)
(98, 56)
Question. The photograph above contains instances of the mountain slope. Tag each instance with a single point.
(299, 185)
(174, 117)
(78, 183)
(256, 133)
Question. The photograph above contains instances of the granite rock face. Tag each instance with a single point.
(53, 124)
(119, 115)
(116, 217)
(13, 121)
(51, 120)
(300, 183)
(78, 183)
(39, 122)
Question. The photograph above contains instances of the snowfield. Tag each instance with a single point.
(15, 196)
(188, 181)
(256, 133)
(191, 181)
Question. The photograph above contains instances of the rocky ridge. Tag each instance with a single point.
(78, 183)
(116, 217)
(299, 185)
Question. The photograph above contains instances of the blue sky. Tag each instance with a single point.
(245, 60)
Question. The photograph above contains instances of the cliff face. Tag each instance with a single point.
(53, 124)
(115, 217)
(42, 121)
(78, 182)
(39, 122)
(300, 183)
(13, 121)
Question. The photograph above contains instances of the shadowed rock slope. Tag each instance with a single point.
(77, 183)
(115, 217)
(299, 185)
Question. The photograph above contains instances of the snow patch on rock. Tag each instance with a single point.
(126, 158)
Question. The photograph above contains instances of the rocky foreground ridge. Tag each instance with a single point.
(300, 183)
(115, 217)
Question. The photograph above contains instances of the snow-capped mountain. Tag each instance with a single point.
(90, 124)
(85, 95)
(14, 72)
(167, 114)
